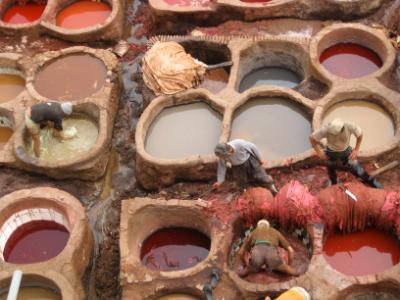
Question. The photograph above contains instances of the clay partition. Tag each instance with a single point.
(138, 282)
(249, 53)
(100, 108)
(110, 30)
(256, 10)
(62, 273)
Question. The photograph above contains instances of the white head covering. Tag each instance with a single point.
(263, 222)
(335, 126)
(66, 107)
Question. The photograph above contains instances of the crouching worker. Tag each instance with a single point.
(246, 162)
(262, 244)
(338, 150)
(49, 114)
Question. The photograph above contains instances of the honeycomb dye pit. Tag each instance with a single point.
(215, 80)
(270, 76)
(172, 249)
(5, 135)
(361, 253)
(72, 77)
(278, 127)
(178, 297)
(11, 86)
(35, 241)
(83, 14)
(53, 149)
(350, 60)
(35, 293)
(23, 13)
(184, 130)
(375, 122)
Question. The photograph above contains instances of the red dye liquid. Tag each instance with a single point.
(20, 14)
(35, 241)
(172, 249)
(362, 253)
(350, 60)
(83, 14)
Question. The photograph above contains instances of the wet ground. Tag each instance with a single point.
(102, 199)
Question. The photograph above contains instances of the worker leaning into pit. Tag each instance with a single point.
(49, 114)
(337, 134)
(246, 162)
(262, 244)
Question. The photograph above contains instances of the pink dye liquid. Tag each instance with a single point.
(362, 253)
(172, 249)
(350, 60)
(35, 241)
(27, 13)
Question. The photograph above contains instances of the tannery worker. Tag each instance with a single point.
(337, 134)
(246, 162)
(48, 114)
(262, 244)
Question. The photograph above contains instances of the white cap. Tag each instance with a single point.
(335, 126)
(66, 107)
(263, 222)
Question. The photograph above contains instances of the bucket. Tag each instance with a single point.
(295, 293)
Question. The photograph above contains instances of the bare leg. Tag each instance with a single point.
(36, 144)
(285, 268)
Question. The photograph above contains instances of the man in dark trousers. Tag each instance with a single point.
(338, 150)
(246, 162)
(48, 114)
(262, 244)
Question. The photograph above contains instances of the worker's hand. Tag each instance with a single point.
(291, 254)
(263, 163)
(267, 298)
(216, 185)
(354, 154)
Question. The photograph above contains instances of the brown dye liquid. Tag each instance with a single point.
(375, 122)
(178, 297)
(362, 253)
(72, 77)
(5, 135)
(35, 293)
(278, 127)
(54, 149)
(215, 80)
(184, 130)
(10, 86)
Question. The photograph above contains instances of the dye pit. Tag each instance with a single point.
(35, 293)
(53, 149)
(377, 125)
(178, 297)
(184, 130)
(23, 13)
(83, 14)
(284, 133)
(5, 135)
(11, 86)
(173, 249)
(362, 253)
(35, 241)
(71, 77)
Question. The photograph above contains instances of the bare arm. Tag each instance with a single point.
(283, 242)
(245, 247)
(354, 154)
(220, 173)
(317, 147)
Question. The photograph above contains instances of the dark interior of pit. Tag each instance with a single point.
(102, 277)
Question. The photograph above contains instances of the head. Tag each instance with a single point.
(335, 126)
(223, 150)
(263, 223)
(66, 108)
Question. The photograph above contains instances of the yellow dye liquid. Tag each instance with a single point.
(35, 293)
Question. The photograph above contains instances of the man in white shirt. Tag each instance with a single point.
(246, 162)
(337, 134)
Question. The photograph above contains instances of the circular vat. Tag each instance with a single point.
(71, 77)
(184, 130)
(210, 53)
(34, 287)
(6, 130)
(178, 296)
(384, 290)
(175, 248)
(361, 253)
(298, 238)
(83, 14)
(54, 149)
(12, 83)
(376, 123)
(278, 126)
(269, 64)
(22, 12)
(350, 60)
(33, 235)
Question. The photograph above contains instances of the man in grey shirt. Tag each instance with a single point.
(337, 134)
(246, 162)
